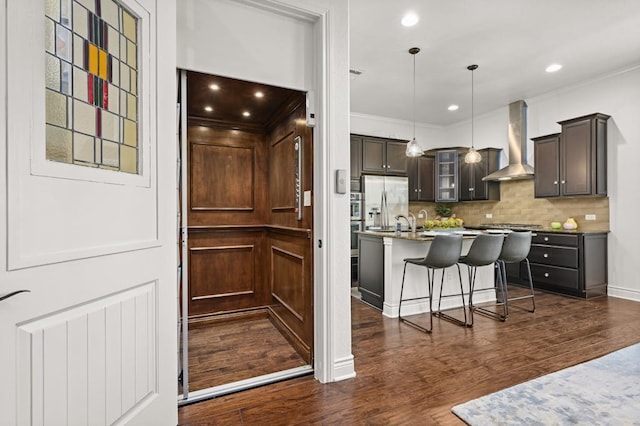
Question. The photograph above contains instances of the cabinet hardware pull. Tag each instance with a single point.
(546, 275)
(555, 182)
(13, 293)
(546, 238)
(545, 255)
(562, 182)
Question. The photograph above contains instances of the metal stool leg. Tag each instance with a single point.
(529, 296)
(447, 317)
(430, 296)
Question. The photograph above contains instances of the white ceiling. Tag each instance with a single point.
(512, 41)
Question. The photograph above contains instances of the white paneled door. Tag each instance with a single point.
(93, 340)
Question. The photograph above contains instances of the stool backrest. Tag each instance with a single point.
(516, 246)
(444, 251)
(484, 250)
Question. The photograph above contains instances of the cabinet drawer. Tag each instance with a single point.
(552, 275)
(554, 255)
(555, 239)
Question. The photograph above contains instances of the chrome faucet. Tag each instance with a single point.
(411, 221)
(426, 216)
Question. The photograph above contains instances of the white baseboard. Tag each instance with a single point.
(344, 369)
(623, 293)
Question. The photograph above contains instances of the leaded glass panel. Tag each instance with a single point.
(91, 84)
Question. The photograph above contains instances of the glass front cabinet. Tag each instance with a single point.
(447, 176)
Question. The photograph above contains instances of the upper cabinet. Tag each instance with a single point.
(446, 176)
(470, 183)
(421, 178)
(356, 163)
(384, 156)
(575, 161)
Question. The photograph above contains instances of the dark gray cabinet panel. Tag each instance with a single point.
(421, 171)
(371, 270)
(384, 156)
(356, 163)
(573, 162)
(470, 183)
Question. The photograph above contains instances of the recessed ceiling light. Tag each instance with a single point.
(410, 19)
(259, 95)
(208, 109)
(553, 68)
(246, 113)
(214, 87)
(453, 107)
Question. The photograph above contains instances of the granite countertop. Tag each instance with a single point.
(428, 235)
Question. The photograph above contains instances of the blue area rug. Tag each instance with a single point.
(604, 391)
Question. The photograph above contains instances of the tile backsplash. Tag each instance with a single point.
(518, 205)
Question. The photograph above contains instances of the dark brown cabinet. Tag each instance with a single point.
(384, 156)
(547, 166)
(422, 178)
(574, 162)
(446, 176)
(574, 264)
(470, 183)
(371, 270)
(356, 163)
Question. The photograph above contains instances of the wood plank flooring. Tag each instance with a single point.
(405, 377)
(225, 352)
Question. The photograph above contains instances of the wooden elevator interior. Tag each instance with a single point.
(248, 251)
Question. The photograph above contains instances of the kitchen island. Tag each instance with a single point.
(381, 264)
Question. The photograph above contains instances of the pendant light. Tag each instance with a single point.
(472, 156)
(413, 149)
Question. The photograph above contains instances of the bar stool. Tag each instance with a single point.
(516, 249)
(484, 251)
(444, 252)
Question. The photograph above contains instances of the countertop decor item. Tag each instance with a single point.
(413, 148)
(556, 225)
(570, 224)
(444, 210)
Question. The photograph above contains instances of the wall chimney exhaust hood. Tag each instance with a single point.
(518, 167)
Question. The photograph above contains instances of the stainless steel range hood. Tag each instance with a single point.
(518, 167)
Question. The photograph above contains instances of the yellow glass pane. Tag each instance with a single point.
(93, 59)
(129, 26)
(132, 57)
(110, 154)
(123, 103)
(80, 21)
(128, 159)
(132, 107)
(80, 84)
(58, 146)
(49, 36)
(52, 70)
(84, 118)
(83, 148)
(130, 133)
(56, 108)
(134, 82)
(102, 61)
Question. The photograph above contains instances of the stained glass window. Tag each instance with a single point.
(91, 60)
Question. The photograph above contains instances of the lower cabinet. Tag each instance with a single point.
(573, 264)
(371, 270)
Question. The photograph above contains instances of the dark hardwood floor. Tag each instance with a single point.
(405, 377)
(222, 352)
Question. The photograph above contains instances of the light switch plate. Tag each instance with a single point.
(307, 198)
(341, 181)
(589, 217)
(488, 215)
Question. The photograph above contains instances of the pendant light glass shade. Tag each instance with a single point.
(472, 156)
(413, 148)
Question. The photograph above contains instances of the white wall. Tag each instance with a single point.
(428, 136)
(616, 95)
(250, 40)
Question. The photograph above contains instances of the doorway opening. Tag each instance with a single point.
(246, 227)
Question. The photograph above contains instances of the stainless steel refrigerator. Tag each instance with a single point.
(385, 197)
